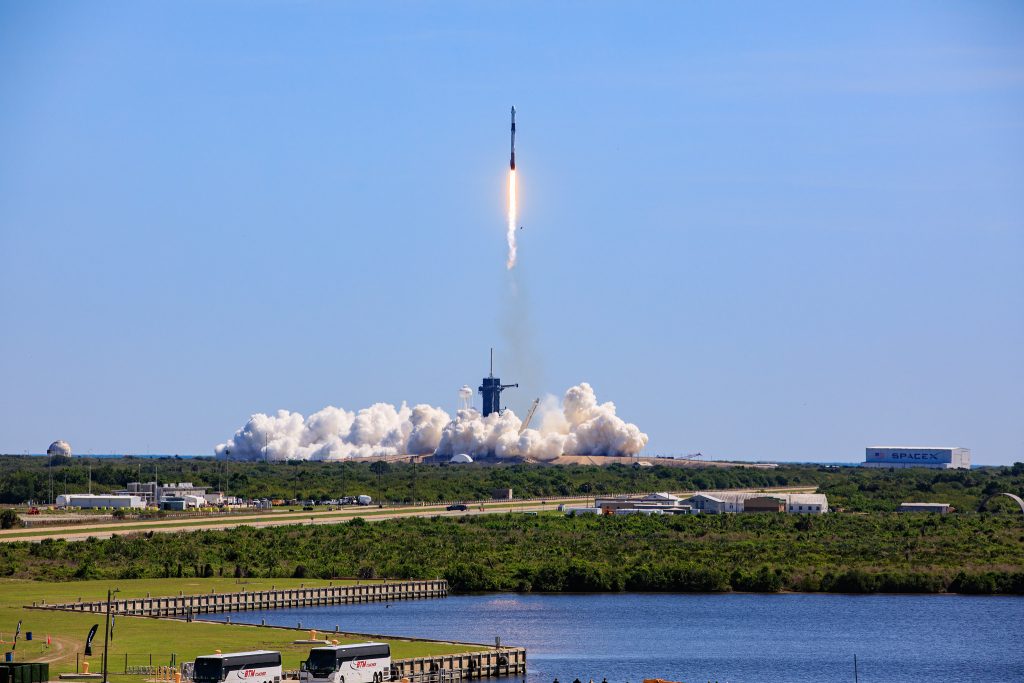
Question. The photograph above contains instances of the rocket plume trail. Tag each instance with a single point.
(510, 232)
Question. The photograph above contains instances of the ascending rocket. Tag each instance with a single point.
(512, 161)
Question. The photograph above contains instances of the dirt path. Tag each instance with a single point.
(61, 648)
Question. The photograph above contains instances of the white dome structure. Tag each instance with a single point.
(461, 459)
(59, 447)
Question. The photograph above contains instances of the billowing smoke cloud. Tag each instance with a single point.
(579, 425)
(335, 433)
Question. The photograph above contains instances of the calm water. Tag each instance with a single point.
(628, 637)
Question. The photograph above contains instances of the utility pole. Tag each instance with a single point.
(106, 634)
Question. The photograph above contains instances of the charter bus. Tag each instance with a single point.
(358, 663)
(258, 666)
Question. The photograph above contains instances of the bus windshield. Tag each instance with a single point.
(322, 660)
(207, 670)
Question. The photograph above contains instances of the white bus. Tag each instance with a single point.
(358, 663)
(259, 666)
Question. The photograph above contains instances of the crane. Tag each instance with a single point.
(529, 415)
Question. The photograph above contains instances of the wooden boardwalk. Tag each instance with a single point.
(211, 603)
(503, 661)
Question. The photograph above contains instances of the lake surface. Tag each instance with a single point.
(732, 637)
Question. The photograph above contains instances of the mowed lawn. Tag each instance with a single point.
(140, 637)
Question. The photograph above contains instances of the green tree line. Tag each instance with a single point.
(24, 478)
(870, 552)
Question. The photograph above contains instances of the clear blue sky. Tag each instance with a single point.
(764, 230)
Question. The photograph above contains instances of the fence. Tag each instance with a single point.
(147, 664)
(139, 664)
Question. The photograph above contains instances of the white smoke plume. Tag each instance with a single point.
(510, 230)
(579, 425)
(335, 434)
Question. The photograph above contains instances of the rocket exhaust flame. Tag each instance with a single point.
(510, 232)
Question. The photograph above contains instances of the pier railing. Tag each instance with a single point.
(504, 661)
(211, 603)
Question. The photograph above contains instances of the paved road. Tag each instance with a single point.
(266, 519)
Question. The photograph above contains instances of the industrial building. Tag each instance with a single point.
(718, 502)
(939, 508)
(711, 503)
(94, 500)
(661, 502)
(936, 458)
(764, 504)
(155, 494)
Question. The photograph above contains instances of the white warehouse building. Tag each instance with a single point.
(93, 500)
(718, 502)
(931, 457)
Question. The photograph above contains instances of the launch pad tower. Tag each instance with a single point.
(491, 388)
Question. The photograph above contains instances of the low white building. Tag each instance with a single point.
(664, 502)
(940, 508)
(718, 502)
(95, 500)
(155, 494)
(713, 504)
(576, 512)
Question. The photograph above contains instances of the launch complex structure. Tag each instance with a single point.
(491, 387)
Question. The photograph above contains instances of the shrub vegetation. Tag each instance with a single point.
(24, 478)
(858, 553)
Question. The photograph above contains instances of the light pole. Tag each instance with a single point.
(106, 633)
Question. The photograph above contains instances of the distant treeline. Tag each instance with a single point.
(513, 552)
(24, 478)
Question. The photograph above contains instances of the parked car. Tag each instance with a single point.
(457, 506)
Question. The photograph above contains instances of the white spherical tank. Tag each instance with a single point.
(60, 447)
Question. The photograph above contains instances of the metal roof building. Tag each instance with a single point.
(93, 500)
(930, 457)
(940, 508)
(716, 502)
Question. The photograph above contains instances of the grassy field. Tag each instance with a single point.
(140, 637)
